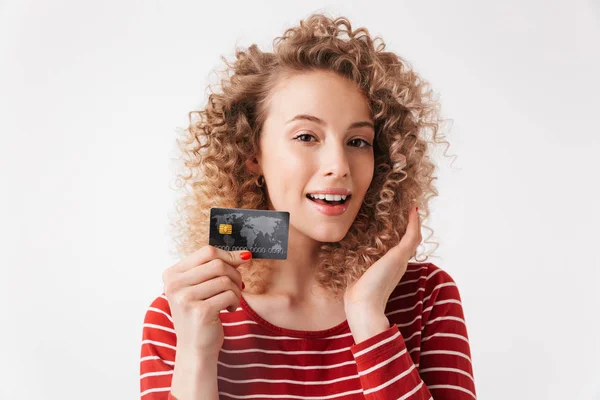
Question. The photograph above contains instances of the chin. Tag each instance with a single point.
(329, 235)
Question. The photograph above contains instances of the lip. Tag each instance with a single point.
(331, 211)
(340, 191)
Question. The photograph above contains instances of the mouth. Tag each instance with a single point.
(329, 200)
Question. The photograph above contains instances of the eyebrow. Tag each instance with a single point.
(319, 121)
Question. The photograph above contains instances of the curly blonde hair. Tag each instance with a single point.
(216, 145)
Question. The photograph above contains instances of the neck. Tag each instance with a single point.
(293, 279)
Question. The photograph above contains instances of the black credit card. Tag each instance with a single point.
(262, 232)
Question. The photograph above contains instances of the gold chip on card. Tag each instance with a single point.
(225, 229)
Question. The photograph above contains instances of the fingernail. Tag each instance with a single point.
(246, 255)
(417, 209)
(243, 286)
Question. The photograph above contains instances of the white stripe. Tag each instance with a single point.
(289, 396)
(425, 310)
(441, 285)
(381, 364)
(250, 335)
(404, 309)
(459, 371)
(445, 319)
(150, 358)
(343, 335)
(276, 366)
(413, 270)
(257, 350)
(453, 387)
(418, 348)
(433, 273)
(247, 321)
(158, 310)
(406, 295)
(161, 344)
(154, 390)
(251, 322)
(162, 328)
(442, 302)
(389, 382)
(407, 395)
(454, 335)
(411, 281)
(446, 352)
(164, 297)
(156, 373)
(315, 383)
(376, 345)
(413, 335)
(410, 323)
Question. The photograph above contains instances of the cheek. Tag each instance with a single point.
(364, 175)
(290, 164)
(288, 174)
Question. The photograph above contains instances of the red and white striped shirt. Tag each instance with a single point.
(425, 353)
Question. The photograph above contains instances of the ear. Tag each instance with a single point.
(253, 166)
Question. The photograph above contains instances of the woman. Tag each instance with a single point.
(333, 130)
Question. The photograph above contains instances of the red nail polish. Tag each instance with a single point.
(417, 209)
(243, 286)
(246, 255)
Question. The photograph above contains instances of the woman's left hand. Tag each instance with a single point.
(369, 294)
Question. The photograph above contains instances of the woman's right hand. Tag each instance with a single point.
(198, 288)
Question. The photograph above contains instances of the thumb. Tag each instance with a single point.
(208, 253)
(235, 258)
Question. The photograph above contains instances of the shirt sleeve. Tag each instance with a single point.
(157, 352)
(445, 359)
(387, 371)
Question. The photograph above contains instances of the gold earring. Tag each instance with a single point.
(260, 181)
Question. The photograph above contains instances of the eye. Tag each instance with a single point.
(306, 135)
(364, 143)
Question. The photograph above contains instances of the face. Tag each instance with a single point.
(317, 139)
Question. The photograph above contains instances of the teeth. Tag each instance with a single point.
(328, 197)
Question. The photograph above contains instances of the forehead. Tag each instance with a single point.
(320, 93)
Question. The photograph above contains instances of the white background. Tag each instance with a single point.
(91, 94)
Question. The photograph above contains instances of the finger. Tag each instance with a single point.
(403, 251)
(208, 253)
(419, 221)
(212, 269)
(225, 300)
(416, 221)
(211, 288)
(413, 230)
(418, 233)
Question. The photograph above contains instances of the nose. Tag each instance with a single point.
(335, 161)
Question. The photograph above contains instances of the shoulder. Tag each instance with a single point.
(428, 290)
(425, 273)
(435, 275)
(426, 281)
(439, 286)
